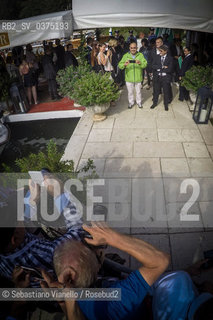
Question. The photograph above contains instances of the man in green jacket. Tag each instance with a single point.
(133, 62)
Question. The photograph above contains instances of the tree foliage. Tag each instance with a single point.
(51, 159)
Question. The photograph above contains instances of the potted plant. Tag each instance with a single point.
(66, 78)
(95, 91)
(197, 77)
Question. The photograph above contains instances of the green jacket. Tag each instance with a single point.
(133, 72)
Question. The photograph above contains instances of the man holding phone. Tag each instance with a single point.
(133, 62)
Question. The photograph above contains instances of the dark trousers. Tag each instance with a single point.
(148, 76)
(183, 93)
(52, 86)
(161, 83)
(176, 70)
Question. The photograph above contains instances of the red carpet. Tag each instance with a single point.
(60, 105)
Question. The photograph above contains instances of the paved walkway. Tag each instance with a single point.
(157, 167)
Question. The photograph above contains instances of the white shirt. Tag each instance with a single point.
(108, 66)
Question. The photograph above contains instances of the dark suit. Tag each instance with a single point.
(70, 59)
(162, 77)
(88, 51)
(174, 53)
(60, 52)
(186, 65)
(151, 57)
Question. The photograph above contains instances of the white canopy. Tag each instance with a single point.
(48, 26)
(177, 14)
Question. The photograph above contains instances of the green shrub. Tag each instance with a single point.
(50, 159)
(95, 89)
(197, 77)
(66, 78)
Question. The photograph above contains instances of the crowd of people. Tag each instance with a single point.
(25, 67)
(163, 63)
(157, 59)
(73, 256)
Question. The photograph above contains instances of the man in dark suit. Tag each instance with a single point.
(186, 65)
(60, 53)
(70, 59)
(162, 73)
(176, 51)
(153, 53)
(88, 49)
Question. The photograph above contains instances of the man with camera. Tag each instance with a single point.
(133, 62)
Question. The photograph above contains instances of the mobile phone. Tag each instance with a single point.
(36, 176)
(34, 273)
(132, 61)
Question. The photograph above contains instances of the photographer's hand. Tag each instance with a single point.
(20, 278)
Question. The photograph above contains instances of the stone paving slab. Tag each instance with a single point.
(153, 163)
(115, 190)
(119, 216)
(132, 167)
(210, 149)
(175, 222)
(74, 148)
(180, 135)
(201, 167)
(207, 133)
(84, 125)
(108, 150)
(158, 150)
(137, 123)
(175, 167)
(100, 135)
(106, 124)
(148, 206)
(206, 209)
(187, 248)
(195, 150)
(177, 123)
(140, 134)
(172, 189)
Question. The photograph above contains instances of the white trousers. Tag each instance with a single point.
(130, 88)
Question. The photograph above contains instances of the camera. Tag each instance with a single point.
(132, 61)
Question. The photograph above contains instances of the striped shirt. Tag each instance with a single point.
(38, 252)
(35, 252)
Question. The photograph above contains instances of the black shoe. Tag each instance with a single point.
(153, 106)
(140, 106)
(130, 106)
(166, 108)
(180, 99)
